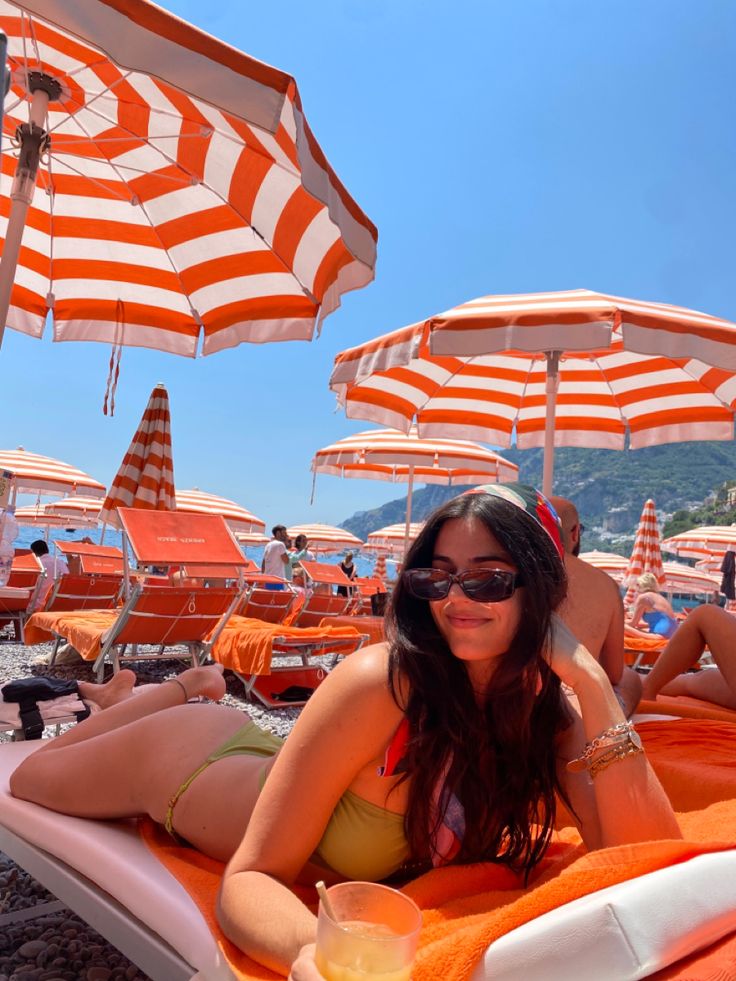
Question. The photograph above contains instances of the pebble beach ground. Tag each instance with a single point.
(40, 938)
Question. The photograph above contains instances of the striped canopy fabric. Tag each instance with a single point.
(391, 539)
(182, 197)
(251, 539)
(646, 555)
(39, 515)
(679, 578)
(706, 542)
(236, 517)
(388, 454)
(36, 474)
(146, 476)
(610, 368)
(86, 508)
(325, 538)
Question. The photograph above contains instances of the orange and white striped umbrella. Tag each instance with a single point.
(36, 474)
(146, 476)
(706, 542)
(182, 193)
(388, 454)
(549, 369)
(237, 517)
(391, 539)
(39, 515)
(679, 578)
(325, 538)
(83, 508)
(251, 539)
(646, 555)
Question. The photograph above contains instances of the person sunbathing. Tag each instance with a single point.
(594, 611)
(706, 626)
(652, 608)
(446, 744)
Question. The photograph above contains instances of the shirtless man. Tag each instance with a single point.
(594, 611)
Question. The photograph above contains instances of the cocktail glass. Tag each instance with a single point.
(373, 936)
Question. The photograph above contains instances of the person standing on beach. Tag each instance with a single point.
(594, 610)
(276, 557)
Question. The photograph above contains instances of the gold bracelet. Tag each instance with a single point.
(614, 755)
(614, 736)
(176, 681)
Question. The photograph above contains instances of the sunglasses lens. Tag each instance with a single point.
(489, 587)
(427, 584)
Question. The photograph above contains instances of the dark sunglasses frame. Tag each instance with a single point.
(491, 585)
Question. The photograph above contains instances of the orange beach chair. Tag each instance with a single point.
(19, 595)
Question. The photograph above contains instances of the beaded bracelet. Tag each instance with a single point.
(614, 736)
(614, 755)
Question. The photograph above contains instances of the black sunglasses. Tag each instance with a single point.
(482, 585)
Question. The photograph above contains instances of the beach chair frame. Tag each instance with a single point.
(114, 643)
(84, 592)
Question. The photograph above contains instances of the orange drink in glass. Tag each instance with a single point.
(373, 936)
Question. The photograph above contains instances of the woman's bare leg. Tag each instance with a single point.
(705, 626)
(205, 680)
(708, 685)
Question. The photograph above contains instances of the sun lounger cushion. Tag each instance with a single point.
(370, 625)
(112, 855)
(84, 631)
(245, 645)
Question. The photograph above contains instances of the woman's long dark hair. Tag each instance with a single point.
(501, 755)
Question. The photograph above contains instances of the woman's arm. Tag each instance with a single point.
(345, 725)
(629, 800)
(640, 606)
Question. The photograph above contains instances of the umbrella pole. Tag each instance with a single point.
(553, 381)
(410, 488)
(34, 140)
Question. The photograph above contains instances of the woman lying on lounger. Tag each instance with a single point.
(446, 744)
(707, 626)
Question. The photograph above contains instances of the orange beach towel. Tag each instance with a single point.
(466, 908)
(686, 708)
(83, 630)
(246, 644)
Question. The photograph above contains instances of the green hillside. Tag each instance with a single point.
(608, 487)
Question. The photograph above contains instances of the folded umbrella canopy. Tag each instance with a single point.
(646, 556)
(573, 368)
(146, 475)
(182, 195)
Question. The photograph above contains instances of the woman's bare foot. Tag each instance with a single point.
(117, 689)
(206, 680)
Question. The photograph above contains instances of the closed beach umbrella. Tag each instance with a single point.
(43, 475)
(237, 517)
(646, 555)
(182, 195)
(146, 476)
(389, 454)
(326, 538)
(574, 368)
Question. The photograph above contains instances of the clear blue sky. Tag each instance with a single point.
(499, 147)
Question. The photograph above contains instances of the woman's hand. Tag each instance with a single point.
(304, 968)
(568, 658)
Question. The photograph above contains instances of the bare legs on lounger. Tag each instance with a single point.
(707, 626)
(130, 759)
